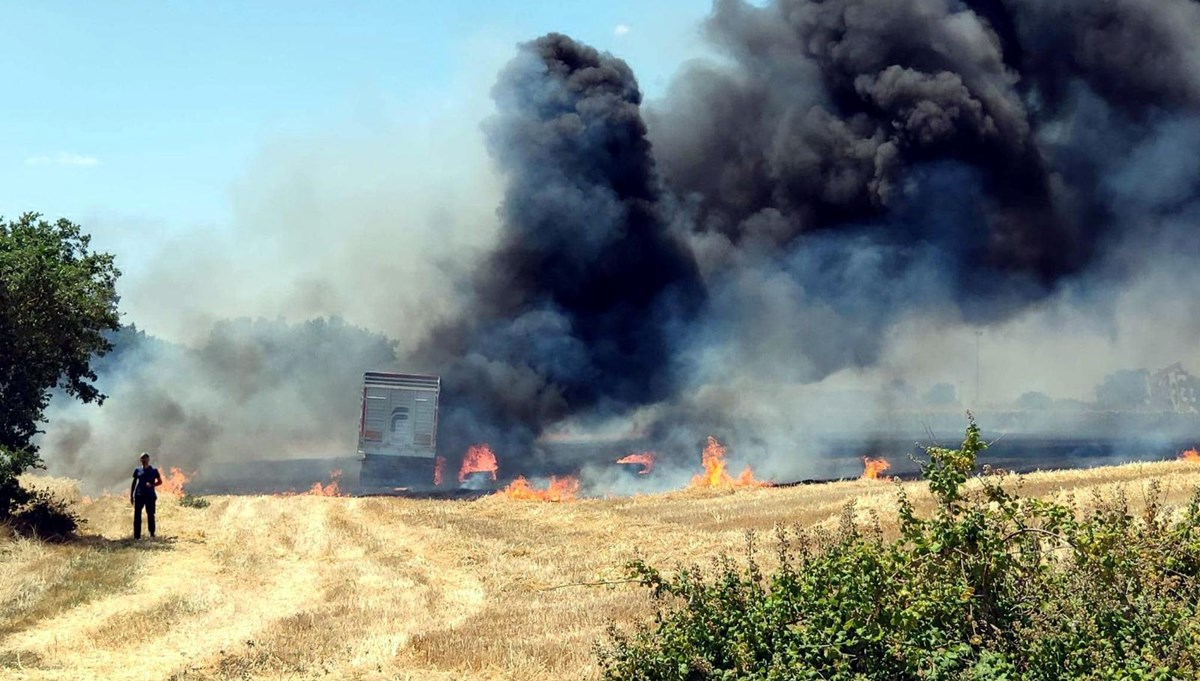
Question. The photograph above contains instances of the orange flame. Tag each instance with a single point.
(1190, 455)
(873, 468)
(479, 459)
(644, 459)
(438, 465)
(330, 490)
(559, 489)
(173, 483)
(715, 475)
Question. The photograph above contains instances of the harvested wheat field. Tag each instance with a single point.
(303, 586)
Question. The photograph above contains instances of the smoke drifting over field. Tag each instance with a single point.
(250, 390)
(841, 196)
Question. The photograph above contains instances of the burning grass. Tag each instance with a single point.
(328, 490)
(439, 466)
(715, 476)
(643, 459)
(282, 587)
(478, 459)
(174, 481)
(873, 468)
(558, 489)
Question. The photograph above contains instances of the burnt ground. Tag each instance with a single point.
(843, 460)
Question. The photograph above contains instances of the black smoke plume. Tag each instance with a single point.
(577, 307)
(892, 156)
(843, 165)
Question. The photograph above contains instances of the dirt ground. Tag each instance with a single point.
(295, 587)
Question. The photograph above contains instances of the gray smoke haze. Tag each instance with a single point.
(369, 227)
(805, 234)
(251, 390)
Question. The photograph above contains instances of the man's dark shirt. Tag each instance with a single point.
(144, 479)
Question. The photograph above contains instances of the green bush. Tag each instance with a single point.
(31, 512)
(13, 462)
(46, 517)
(192, 501)
(991, 586)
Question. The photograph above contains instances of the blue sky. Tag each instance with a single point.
(147, 112)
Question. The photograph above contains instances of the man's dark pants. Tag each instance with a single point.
(140, 502)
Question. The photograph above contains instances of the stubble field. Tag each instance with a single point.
(265, 587)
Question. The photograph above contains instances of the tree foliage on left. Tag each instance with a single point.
(57, 300)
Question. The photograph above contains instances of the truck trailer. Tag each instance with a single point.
(397, 434)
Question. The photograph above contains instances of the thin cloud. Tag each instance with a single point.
(63, 158)
(621, 30)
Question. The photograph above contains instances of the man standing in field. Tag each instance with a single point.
(142, 495)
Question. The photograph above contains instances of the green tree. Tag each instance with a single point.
(57, 300)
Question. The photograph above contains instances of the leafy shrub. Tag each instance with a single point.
(13, 462)
(991, 586)
(46, 517)
(192, 501)
(31, 512)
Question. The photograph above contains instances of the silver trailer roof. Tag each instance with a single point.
(394, 380)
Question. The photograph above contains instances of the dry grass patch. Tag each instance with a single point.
(298, 587)
(44, 581)
(19, 660)
(138, 625)
(62, 488)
